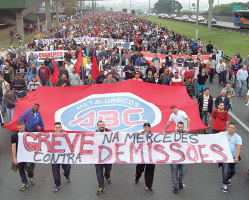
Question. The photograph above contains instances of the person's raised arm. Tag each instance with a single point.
(167, 126)
(188, 124)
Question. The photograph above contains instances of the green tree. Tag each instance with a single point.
(70, 8)
(167, 6)
(227, 9)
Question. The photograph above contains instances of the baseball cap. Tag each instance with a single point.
(166, 69)
(143, 58)
(238, 52)
(137, 73)
(146, 124)
(173, 106)
(21, 63)
(102, 70)
(18, 60)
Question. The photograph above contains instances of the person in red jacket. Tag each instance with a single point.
(176, 81)
(44, 74)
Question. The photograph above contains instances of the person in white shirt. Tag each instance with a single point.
(220, 67)
(69, 67)
(88, 67)
(73, 60)
(178, 116)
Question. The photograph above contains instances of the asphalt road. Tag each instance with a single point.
(203, 181)
(225, 24)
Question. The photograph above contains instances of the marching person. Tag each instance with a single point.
(100, 167)
(178, 116)
(178, 171)
(32, 118)
(56, 167)
(149, 168)
(223, 98)
(220, 118)
(235, 144)
(21, 166)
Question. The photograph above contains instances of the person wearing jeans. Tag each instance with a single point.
(178, 171)
(235, 144)
(205, 102)
(10, 101)
(242, 76)
(100, 167)
(44, 75)
(235, 68)
(3, 83)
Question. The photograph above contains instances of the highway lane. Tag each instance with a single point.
(203, 181)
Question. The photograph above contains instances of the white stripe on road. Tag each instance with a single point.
(239, 121)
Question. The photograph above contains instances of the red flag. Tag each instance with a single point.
(95, 68)
(55, 74)
(79, 62)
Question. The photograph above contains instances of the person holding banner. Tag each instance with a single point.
(149, 168)
(100, 167)
(178, 171)
(178, 116)
(235, 144)
(56, 167)
(21, 166)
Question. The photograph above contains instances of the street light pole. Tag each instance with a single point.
(197, 14)
(210, 11)
(149, 9)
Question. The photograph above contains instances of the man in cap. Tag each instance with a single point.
(166, 77)
(178, 116)
(149, 168)
(101, 77)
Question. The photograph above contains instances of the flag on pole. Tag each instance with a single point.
(95, 68)
(79, 62)
(55, 74)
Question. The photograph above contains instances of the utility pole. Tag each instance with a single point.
(149, 9)
(218, 8)
(197, 14)
(172, 6)
(210, 11)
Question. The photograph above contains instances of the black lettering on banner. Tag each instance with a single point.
(178, 151)
(194, 140)
(159, 148)
(130, 136)
(167, 136)
(63, 155)
(175, 138)
(140, 138)
(148, 136)
(156, 137)
(184, 139)
(115, 137)
(34, 158)
(100, 153)
(106, 137)
(191, 147)
(46, 158)
(53, 158)
(203, 155)
(78, 158)
(70, 156)
(218, 150)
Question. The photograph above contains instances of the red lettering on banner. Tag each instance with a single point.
(191, 147)
(149, 150)
(44, 139)
(203, 155)
(132, 148)
(183, 70)
(224, 157)
(119, 152)
(90, 116)
(160, 150)
(128, 112)
(30, 146)
(70, 145)
(53, 143)
(39, 55)
(177, 151)
(83, 142)
(114, 118)
(107, 158)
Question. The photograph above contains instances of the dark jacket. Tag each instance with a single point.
(100, 77)
(89, 83)
(170, 75)
(152, 69)
(190, 91)
(201, 66)
(60, 82)
(226, 102)
(224, 74)
(210, 103)
(158, 82)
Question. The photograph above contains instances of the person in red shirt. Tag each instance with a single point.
(176, 81)
(220, 118)
(188, 73)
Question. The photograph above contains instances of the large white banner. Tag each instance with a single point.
(121, 147)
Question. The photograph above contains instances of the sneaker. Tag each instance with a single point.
(149, 189)
(206, 131)
(68, 179)
(229, 182)
(32, 182)
(57, 188)
(108, 181)
(181, 185)
(24, 186)
(238, 95)
(175, 190)
(136, 180)
(225, 190)
(100, 191)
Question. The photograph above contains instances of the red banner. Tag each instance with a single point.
(123, 106)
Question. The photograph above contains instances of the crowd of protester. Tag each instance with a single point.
(20, 74)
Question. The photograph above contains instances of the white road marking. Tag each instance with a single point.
(239, 121)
